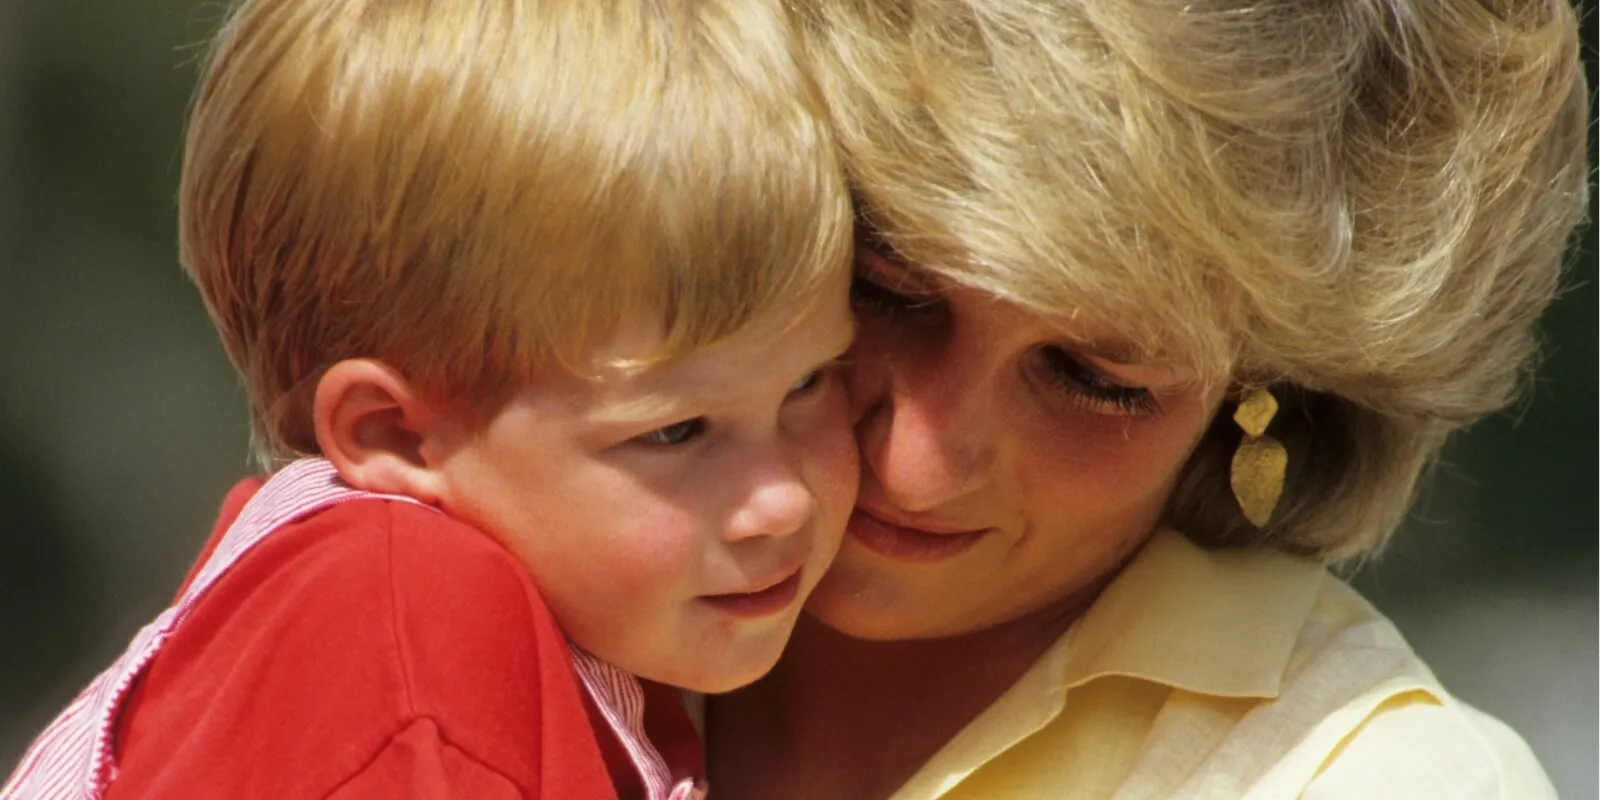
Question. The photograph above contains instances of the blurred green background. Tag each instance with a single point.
(121, 424)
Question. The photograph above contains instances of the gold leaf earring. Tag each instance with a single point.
(1260, 462)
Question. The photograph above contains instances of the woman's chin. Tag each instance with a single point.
(864, 605)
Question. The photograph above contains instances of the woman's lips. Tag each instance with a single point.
(909, 544)
(770, 600)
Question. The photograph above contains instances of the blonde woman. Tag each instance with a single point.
(1163, 309)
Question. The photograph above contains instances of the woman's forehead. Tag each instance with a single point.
(1123, 315)
(1113, 331)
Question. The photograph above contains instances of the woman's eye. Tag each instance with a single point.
(866, 295)
(870, 297)
(1069, 374)
(676, 433)
(870, 286)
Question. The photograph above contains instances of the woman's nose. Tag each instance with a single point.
(922, 433)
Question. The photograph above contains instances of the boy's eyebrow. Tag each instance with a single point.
(662, 405)
(646, 407)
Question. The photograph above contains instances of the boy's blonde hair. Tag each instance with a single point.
(1363, 203)
(473, 191)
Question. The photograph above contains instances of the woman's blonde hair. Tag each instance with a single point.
(1361, 203)
(473, 191)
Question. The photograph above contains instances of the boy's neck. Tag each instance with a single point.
(849, 718)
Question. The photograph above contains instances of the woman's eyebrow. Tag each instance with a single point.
(1114, 351)
(900, 274)
(1123, 354)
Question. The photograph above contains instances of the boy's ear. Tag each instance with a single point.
(379, 432)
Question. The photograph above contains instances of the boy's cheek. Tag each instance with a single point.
(660, 545)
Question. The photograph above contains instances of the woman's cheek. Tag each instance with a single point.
(834, 463)
(1092, 459)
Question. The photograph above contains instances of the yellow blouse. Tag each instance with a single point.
(1203, 674)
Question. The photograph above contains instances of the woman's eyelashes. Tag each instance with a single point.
(871, 297)
(1062, 370)
(871, 292)
(1083, 384)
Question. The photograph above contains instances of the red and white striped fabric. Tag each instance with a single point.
(621, 702)
(71, 759)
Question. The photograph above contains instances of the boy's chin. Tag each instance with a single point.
(727, 669)
(727, 677)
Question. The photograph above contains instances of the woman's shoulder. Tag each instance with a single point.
(1342, 706)
(1387, 727)
(1421, 746)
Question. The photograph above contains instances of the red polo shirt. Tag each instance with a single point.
(375, 649)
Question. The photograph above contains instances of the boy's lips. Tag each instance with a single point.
(762, 602)
(906, 542)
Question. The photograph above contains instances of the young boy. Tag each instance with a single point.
(535, 301)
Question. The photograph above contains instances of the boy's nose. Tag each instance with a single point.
(777, 505)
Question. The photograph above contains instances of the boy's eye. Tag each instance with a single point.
(676, 433)
(811, 379)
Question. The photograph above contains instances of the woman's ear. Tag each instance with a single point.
(378, 431)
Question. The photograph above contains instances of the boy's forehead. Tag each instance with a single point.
(778, 347)
(620, 394)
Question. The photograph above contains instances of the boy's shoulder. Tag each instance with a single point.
(466, 617)
(343, 630)
(454, 612)
(374, 563)
(413, 548)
